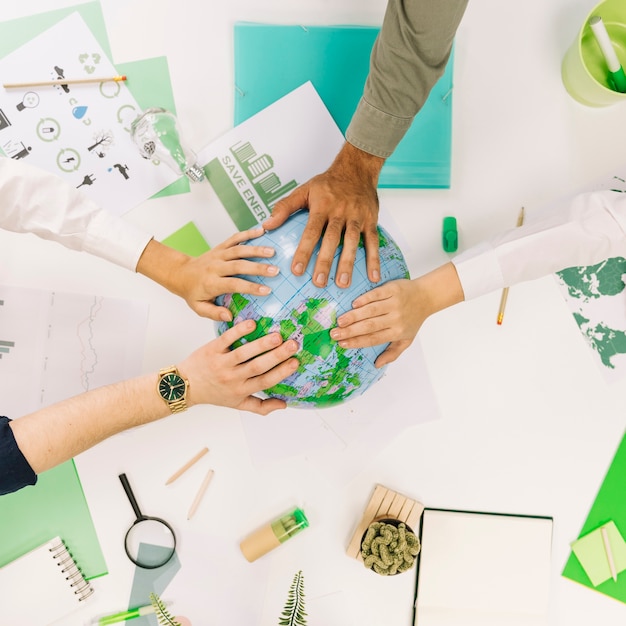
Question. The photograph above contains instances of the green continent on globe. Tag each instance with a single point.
(309, 324)
(327, 373)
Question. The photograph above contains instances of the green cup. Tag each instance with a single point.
(584, 70)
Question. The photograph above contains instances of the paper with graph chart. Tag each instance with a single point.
(55, 345)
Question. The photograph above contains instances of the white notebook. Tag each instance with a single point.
(41, 586)
(483, 569)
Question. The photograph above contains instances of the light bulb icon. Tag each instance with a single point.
(29, 101)
(157, 135)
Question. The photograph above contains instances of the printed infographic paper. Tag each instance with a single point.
(81, 132)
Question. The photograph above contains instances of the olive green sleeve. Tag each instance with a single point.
(408, 57)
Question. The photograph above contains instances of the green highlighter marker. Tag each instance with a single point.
(617, 78)
(124, 615)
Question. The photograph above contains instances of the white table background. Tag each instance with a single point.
(528, 424)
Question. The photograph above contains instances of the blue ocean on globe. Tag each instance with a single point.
(328, 374)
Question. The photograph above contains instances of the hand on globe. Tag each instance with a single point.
(327, 373)
(342, 204)
(199, 280)
(221, 376)
(394, 312)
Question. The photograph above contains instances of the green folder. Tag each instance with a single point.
(272, 60)
(56, 505)
(610, 504)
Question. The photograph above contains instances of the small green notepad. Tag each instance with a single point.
(592, 553)
(272, 60)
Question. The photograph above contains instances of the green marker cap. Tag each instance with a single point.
(450, 235)
(618, 80)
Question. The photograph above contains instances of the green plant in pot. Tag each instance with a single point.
(389, 547)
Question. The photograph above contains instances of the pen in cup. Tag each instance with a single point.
(617, 78)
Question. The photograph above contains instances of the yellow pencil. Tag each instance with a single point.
(178, 473)
(505, 291)
(65, 81)
(198, 498)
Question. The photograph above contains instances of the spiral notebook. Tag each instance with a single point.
(51, 586)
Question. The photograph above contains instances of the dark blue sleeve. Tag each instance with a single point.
(15, 471)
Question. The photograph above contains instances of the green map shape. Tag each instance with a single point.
(591, 282)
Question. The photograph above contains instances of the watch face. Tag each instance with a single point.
(172, 387)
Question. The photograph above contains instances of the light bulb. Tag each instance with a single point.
(157, 135)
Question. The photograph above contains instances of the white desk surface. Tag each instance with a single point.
(527, 424)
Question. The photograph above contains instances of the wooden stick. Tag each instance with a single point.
(63, 81)
(178, 473)
(203, 487)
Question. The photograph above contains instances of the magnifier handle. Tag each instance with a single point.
(131, 495)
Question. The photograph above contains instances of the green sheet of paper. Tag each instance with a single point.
(54, 506)
(272, 60)
(188, 239)
(148, 79)
(592, 554)
(609, 505)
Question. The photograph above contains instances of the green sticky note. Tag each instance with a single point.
(592, 554)
(188, 239)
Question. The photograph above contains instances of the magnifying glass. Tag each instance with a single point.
(150, 542)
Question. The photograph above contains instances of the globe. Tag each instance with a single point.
(328, 374)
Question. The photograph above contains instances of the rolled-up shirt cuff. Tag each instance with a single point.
(116, 240)
(375, 131)
(478, 270)
(581, 230)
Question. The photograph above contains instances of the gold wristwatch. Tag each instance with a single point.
(172, 387)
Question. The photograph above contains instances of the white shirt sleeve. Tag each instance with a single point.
(35, 201)
(583, 230)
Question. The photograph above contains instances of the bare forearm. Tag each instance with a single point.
(439, 289)
(161, 264)
(59, 432)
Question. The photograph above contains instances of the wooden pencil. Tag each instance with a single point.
(179, 472)
(200, 494)
(65, 81)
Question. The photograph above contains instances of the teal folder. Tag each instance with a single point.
(272, 60)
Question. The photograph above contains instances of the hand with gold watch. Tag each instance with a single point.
(219, 374)
(172, 387)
